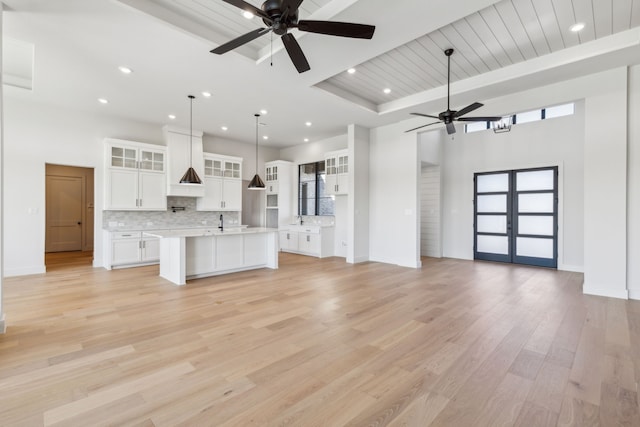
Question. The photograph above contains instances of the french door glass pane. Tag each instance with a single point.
(535, 203)
(493, 183)
(536, 248)
(540, 225)
(492, 203)
(492, 223)
(493, 244)
(534, 180)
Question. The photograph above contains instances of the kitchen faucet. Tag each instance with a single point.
(221, 226)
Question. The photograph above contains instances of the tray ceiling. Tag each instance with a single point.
(503, 34)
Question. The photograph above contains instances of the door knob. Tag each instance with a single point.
(79, 222)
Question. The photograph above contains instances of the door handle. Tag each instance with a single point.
(79, 222)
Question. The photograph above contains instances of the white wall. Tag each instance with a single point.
(552, 142)
(633, 187)
(313, 151)
(394, 212)
(605, 178)
(2, 322)
(35, 135)
(430, 212)
(358, 210)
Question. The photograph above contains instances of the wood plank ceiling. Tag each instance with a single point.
(500, 35)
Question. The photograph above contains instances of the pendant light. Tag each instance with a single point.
(190, 176)
(256, 183)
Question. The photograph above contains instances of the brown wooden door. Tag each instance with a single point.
(64, 213)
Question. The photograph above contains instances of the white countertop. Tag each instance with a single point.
(212, 231)
(153, 228)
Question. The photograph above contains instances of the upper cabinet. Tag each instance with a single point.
(184, 150)
(337, 172)
(222, 184)
(279, 193)
(135, 177)
(271, 177)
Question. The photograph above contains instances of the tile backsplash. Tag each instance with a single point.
(189, 217)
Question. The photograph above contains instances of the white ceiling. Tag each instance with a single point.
(501, 47)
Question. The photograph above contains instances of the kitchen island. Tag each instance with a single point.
(193, 253)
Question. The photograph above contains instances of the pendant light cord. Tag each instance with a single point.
(191, 97)
(257, 116)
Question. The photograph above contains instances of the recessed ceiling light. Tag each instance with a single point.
(247, 14)
(125, 70)
(351, 70)
(224, 128)
(577, 27)
(308, 123)
(206, 94)
(306, 140)
(172, 116)
(263, 112)
(265, 137)
(102, 101)
(387, 91)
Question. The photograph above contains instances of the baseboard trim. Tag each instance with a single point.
(634, 293)
(358, 260)
(3, 325)
(572, 268)
(603, 292)
(26, 271)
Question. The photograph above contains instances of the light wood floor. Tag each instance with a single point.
(318, 343)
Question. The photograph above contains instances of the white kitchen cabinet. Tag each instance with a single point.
(130, 249)
(288, 241)
(202, 255)
(135, 176)
(222, 184)
(184, 149)
(280, 193)
(229, 252)
(309, 243)
(337, 172)
(312, 240)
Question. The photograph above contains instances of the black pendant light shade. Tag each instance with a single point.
(256, 183)
(190, 176)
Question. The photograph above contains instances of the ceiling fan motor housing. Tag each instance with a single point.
(273, 8)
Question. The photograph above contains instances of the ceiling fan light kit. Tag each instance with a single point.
(449, 116)
(281, 15)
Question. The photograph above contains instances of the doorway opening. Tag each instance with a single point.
(516, 216)
(69, 215)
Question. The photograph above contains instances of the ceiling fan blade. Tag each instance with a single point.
(420, 127)
(237, 42)
(425, 115)
(451, 128)
(295, 53)
(341, 29)
(479, 119)
(249, 8)
(468, 109)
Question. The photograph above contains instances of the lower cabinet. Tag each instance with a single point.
(202, 252)
(289, 241)
(130, 249)
(209, 254)
(308, 240)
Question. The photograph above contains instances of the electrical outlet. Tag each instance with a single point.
(204, 222)
(344, 243)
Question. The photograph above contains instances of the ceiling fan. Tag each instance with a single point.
(280, 16)
(449, 116)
